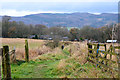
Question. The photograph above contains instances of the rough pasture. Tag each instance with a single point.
(53, 63)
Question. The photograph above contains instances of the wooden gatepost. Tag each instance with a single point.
(6, 70)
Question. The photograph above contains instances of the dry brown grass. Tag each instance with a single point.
(78, 54)
(78, 51)
(20, 42)
(33, 53)
(61, 65)
(36, 47)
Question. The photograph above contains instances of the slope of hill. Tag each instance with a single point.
(69, 19)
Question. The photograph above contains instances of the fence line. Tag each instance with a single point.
(6, 69)
(94, 55)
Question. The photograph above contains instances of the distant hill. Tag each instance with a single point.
(69, 19)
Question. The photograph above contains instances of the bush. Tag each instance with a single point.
(81, 39)
(53, 44)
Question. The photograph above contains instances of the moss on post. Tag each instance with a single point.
(3, 61)
(6, 63)
(26, 51)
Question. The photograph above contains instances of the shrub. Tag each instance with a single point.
(53, 44)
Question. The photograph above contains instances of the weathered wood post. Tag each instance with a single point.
(6, 63)
(14, 56)
(0, 61)
(110, 53)
(89, 46)
(97, 53)
(105, 56)
(105, 62)
(3, 68)
(26, 51)
(119, 65)
(89, 51)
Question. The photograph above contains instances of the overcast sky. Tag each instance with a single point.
(59, 0)
(23, 7)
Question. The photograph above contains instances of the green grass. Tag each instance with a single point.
(33, 69)
(65, 51)
(47, 67)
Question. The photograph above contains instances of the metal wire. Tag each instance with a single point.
(10, 53)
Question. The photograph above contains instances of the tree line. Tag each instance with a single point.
(13, 29)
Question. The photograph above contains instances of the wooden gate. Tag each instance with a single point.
(104, 58)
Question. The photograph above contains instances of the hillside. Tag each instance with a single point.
(69, 19)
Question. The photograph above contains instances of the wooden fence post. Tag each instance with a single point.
(105, 62)
(3, 68)
(97, 53)
(89, 46)
(105, 56)
(26, 51)
(14, 56)
(110, 53)
(6, 63)
(0, 62)
(89, 51)
(119, 66)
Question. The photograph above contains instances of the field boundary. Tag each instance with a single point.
(94, 55)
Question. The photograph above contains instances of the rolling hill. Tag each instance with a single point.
(69, 19)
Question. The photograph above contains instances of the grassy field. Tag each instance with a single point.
(35, 47)
(19, 43)
(56, 66)
(53, 63)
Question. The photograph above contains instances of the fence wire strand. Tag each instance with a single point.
(10, 53)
